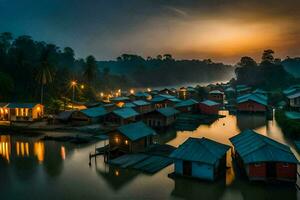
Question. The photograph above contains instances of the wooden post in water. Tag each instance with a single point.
(90, 157)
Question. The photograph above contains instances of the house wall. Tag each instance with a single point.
(295, 102)
(216, 97)
(191, 108)
(208, 109)
(26, 114)
(144, 109)
(251, 106)
(255, 171)
(203, 171)
(286, 171)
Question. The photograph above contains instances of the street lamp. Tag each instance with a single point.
(73, 85)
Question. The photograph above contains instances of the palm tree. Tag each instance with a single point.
(90, 70)
(44, 75)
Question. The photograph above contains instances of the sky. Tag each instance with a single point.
(222, 30)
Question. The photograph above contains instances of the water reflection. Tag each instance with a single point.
(115, 177)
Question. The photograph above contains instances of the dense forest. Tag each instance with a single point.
(38, 71)
(269, 74)
(165, 70)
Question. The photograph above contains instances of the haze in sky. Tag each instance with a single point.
(223, 30)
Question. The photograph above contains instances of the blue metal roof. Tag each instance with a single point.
(254, 147)
(141, 103)
(188, 102)
(158, 99)
(168, 111)
(142, 94)
(209, 103)
(135, 131)
(94, 112)
(129, 105)
(292, 115)
(21, 105)
(119, 99)
(201, 150)
(125, 113)
(259, 98)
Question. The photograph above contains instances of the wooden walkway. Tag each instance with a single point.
(143, 162)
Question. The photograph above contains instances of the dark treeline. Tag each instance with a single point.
(165, 70)
(37, 71)
(269, 74)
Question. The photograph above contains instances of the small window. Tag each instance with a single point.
(285, 164)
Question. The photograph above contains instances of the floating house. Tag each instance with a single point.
(243, 89)
(142, 106)
(120, 101)
(122, 116)
(24, 112)
(131, 138)
(216, 95)
(200, 158)
(160, 118)
(252, 103)
(89, 116)
(164, 100)
(3, 112)
(209, 107)
(263, 158)
(293, 97)
(189, 105)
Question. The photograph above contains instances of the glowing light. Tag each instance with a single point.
(117, 173)
(63, 152)
(73, 83)
(101, 94)
(148, 89)
(82, 87)
(131, 91)
(38, 108)
(39, 151)
(117, 140)
(126, 142)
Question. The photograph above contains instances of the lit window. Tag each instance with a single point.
(117, 173)
(117, 140)
(126, 142)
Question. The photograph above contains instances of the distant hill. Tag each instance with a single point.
(167, 71)
(292, 65)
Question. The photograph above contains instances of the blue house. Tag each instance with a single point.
(200, 158)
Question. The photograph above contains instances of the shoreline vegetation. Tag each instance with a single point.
(288, 126)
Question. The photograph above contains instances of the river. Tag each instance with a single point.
(34, 169)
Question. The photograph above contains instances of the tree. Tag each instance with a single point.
(267, 56)
(6, 86)
(44, 71)
(247, 62)
(90, 70)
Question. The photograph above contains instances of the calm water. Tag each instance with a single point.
(31, 169)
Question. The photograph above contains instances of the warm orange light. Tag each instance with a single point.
(117, 173)
(132, 91)
(117, 140)
(126, 142)
(39, 151)
(82, 87)
(63, 152)
(73, 83)
(148, 89)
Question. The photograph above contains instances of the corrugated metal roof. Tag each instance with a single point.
(158, 99)
(129, 105)
(259, 98)
(230, 89)
(125, 112)
(167, 96)
(168, 111)
(292, 115)
(188, 102)
(294, 95)
(216, 92)
(142, 94)
(21, 105)
(119, 99)
(209, 103)
(94, 112)
(201, 150)
(254, 147)
(140, 103)
(135, 131)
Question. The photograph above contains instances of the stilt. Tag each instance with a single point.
(90, 157)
